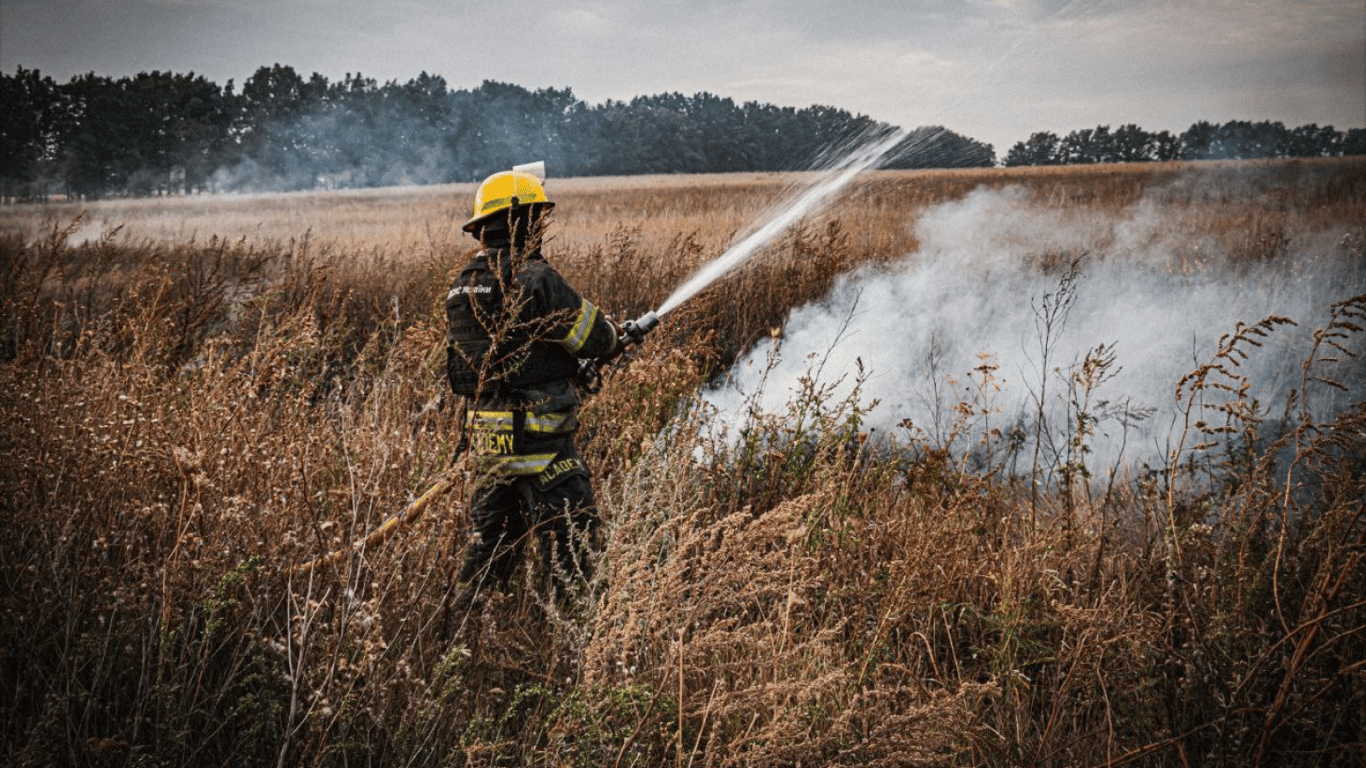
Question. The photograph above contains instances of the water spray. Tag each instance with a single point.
(844, 170)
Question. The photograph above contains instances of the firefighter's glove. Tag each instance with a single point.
(619, 344)
(618, 348)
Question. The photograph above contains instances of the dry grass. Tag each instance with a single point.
(186, 417)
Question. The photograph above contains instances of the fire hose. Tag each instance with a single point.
(634, 330)
(410, 513)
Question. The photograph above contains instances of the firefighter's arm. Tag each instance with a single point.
(586, 331)
(592, 335)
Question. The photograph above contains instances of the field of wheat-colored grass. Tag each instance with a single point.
(198, 394)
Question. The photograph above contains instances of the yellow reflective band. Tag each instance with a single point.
(531, 464)
(583, 324)
(504, 421)
(492, 421)
(551, 423)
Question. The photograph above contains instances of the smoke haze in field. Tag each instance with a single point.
(396, 151)
(975, 291)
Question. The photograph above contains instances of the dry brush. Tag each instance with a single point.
(185, 419)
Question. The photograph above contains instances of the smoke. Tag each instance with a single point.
(982, 312)
(334, 149)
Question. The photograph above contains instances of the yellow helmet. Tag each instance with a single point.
(504, 190)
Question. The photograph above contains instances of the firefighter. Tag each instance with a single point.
(516, 333)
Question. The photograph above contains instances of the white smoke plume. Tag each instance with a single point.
(979, 290)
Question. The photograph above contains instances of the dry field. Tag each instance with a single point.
(197, 394)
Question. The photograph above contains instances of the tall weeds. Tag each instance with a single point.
(182, 422)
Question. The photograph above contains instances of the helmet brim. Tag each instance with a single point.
(476, 223)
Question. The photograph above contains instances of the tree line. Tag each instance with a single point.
(1234, 140)
(168, 133)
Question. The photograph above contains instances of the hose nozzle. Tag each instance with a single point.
(636, 329)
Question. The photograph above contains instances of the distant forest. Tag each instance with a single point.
(1234, 140)
(165, 133)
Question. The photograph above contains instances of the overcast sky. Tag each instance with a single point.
(994, 70)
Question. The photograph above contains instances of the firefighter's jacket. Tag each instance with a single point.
(515, 334)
